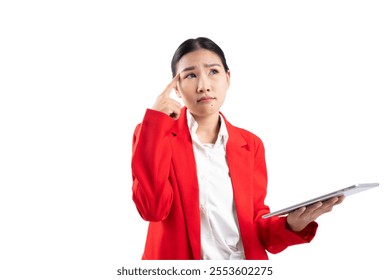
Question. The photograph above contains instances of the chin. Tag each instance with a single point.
(210, 110)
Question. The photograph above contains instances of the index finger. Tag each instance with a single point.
(171, 85)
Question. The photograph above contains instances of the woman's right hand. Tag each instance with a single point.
(165, 103)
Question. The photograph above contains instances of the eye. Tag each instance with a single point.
(190, 76)
(214, 71)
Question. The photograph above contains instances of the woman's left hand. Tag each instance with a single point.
(301, 217)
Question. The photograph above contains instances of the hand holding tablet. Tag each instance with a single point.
(342, 192)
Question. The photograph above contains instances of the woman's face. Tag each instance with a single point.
(203, 82)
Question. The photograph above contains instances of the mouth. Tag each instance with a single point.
(205, 99)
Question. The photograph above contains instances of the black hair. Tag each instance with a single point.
(191, 45)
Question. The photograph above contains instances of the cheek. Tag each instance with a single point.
(222, 85)
(185, 87)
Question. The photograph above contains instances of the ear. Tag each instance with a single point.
(228, 78)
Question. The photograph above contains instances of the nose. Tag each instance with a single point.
(203, 84)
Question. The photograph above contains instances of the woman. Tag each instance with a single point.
(200, 181)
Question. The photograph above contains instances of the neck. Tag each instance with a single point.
(208, 128)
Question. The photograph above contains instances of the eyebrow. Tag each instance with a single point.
(190, 68)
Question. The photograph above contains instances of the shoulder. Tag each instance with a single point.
(249, 137)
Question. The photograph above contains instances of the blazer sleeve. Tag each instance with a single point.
(151, 159)
(273, 232)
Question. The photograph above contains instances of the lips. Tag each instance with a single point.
(206, 99)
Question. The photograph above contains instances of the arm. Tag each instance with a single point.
(151, 161)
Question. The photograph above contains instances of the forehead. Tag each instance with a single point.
(198, 58)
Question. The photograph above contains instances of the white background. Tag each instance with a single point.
(311, 78)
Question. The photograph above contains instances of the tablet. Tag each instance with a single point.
(345, 191)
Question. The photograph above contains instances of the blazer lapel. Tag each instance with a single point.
(187, 180)
(239, 161)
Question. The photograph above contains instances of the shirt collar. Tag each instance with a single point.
(193, 126)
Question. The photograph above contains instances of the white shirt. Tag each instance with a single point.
(220, 235)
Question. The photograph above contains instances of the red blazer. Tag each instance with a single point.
(166, 193)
